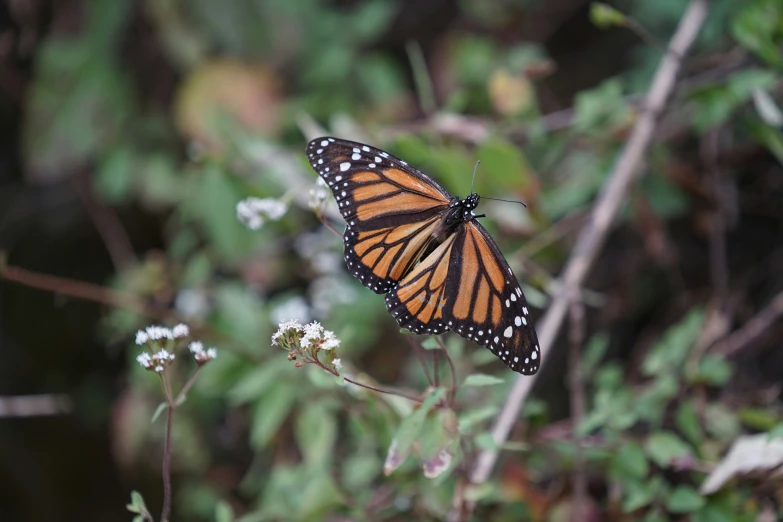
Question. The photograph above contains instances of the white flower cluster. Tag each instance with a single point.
(201, 355)
(285, 327)
(156, 361)
(318, 194)
(314, 333)
(252, 212)
(310, 335)
(156, 333)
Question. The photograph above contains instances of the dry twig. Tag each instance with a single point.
(577, 399)
(752, 330)
(593, 235)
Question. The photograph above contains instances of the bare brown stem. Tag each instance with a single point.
(453, 391)
(166, 511)
(577, 400)
(593, 235)
(752, 330)
(81, 290)
(321, 365)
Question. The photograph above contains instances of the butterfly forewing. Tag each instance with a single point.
(391, 209)
(393, 214)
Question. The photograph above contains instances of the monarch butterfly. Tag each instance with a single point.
(408, 238)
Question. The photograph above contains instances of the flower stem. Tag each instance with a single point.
(367, 386)
(166, 511)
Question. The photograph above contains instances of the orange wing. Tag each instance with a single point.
(466, 285)
(391, 209)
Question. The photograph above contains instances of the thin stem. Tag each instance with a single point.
(435, 368)
(577, 400)
(81, 290)
(596, 230)
(326, 223)
(453, 392)
(166, 511)
(420, 356)
(321, 365)
(185, 389)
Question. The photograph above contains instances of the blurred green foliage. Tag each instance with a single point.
(316, 446)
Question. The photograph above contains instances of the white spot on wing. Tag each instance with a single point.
(507, 332)
(345, 166)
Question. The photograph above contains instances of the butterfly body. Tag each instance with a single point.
(408, 238)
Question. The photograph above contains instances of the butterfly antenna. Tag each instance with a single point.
(475, 168)
(506, 200)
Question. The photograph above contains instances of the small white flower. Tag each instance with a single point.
(156, 333)
(285, 327)
(252, 212)
(144, 360)
(181, 330)
(200, 355)
(164, 355)
(330, 341)
(318, 194)
(142, 337)
(159, 369)
(337, 363)
(312, 332)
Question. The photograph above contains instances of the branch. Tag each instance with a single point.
(593, 235)
(752, 330)
(82, 290)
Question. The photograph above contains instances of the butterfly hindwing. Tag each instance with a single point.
(466, 285)
(488, 306)
(420, 301)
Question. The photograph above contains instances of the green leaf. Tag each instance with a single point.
(504, 165)
(721, 422)
(321, 493)
(114, 176)
(663, 447)
(770, 137)
(757, 28)
(430, 344)
(668, 355)
(716, 103)
(629, 461)
(684, 499)
(270, 411)
(224, 512)
(409, 431)
(758, 418)
(638, 493)
(255, 382)
(473, 417)
(439, 442)
(768, 110)
(712, 370)
(215, 208)
(316, 432)
(688, 422)
(482, 379)
(777, 431)
(605, 16)
(594, 352)
(137, 503)
(158, 411)
(601, 110)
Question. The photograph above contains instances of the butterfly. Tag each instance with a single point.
(408, 238)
